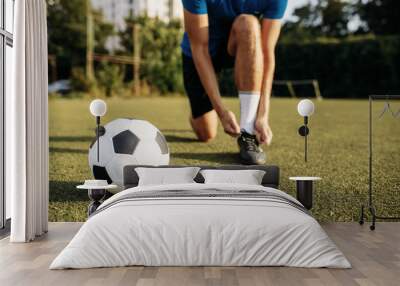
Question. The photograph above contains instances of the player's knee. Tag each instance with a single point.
(247, 25)
(206, 134)
(205, 126)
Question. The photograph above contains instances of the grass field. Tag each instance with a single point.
(338, 151)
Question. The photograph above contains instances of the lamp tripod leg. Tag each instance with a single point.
(361, 221)
(373, 214)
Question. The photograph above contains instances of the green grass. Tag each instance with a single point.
(338, 151)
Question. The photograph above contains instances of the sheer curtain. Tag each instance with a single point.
(27, 124)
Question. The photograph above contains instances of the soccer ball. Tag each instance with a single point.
(127, 142)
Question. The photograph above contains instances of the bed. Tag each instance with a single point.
(201, 224)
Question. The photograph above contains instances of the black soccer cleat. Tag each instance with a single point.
(250, 151)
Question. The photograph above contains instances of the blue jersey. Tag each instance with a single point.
(222, 13)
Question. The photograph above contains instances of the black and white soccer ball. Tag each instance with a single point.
(127, 142)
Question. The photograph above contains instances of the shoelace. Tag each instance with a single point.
(251, 144)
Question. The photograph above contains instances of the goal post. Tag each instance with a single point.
(291, 84)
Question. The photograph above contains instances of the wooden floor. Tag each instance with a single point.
(375, 257)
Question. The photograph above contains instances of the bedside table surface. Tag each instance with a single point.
(305, 178)
(82, 187)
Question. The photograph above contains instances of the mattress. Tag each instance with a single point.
(201, 225)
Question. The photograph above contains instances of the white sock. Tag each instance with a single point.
(249, 101)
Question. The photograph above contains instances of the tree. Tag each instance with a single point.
(328, 18)
(110, 78)
(160, 52)
(67, 33)
(381, 16)
(304, 27)
(335, 17)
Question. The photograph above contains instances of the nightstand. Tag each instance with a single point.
(97, 190)
(304, 189)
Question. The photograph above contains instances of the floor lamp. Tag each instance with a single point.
(98, 108)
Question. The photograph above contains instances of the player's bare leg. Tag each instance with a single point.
(245, 44)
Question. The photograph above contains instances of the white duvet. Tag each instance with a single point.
(200, 231)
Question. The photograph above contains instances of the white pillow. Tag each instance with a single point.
(247, 177)
(166, 176)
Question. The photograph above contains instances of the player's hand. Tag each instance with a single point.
(263, 131)
(229, 123)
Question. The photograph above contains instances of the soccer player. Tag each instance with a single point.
(223, 34)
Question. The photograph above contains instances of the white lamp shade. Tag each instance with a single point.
(305, 107)
(98, 107)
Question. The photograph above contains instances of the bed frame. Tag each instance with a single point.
(270, 179)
